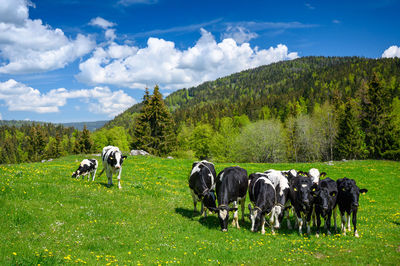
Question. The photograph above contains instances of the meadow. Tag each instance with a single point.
(49, 218)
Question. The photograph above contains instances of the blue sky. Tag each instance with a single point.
(72, 60)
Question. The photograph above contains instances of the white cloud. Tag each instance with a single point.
(239, 34)
(160, 62)
(19, 97)
(102, 23)
(336, 21)
(392, 51)
(29, 46)
(309, 6)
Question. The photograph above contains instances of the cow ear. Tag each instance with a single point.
(363, 190)
(287, 207)
(323, 174)
(232, 209)
(333, 193)
(124, 157)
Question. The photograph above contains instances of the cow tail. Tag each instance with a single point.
(101, 172)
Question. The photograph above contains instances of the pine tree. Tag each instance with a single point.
(86, 142)
(141, 131)
(350, 138)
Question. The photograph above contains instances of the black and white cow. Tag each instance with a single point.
(325, 195)
(280, 182)
(347, 200)
(112, 163)
(262, 195)
(302, 200)
(202, 185)
(231, 187)
(87, 167)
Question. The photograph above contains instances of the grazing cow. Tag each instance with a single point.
(112, 163)
(325, 195)
(87, 167)
(202, 185)
(347, 200)
(281, 185)
(231, 187)
(262, 195)
(302, 200)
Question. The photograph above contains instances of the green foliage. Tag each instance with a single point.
(260, 142)
(200, 141)
(116, 136)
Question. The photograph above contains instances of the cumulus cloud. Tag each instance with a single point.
(160, 62)
(29, 46)
(392, 51)
(101, 22)
(19, 97)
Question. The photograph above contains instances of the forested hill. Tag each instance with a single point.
(275, 90)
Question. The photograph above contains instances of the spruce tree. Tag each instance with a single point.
(350, 138)
(154, 129)
(377, 120)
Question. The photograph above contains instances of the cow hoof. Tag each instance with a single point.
(317, 235)
(263, 232)
(356, 234)
(224, 230)
(329, 233)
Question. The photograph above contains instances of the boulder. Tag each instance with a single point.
(139, 152)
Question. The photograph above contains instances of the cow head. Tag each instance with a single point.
(76, 174)
(115, 159)
(209, 200)
(256, 217)
(348, 190)
(223, 215)
(321, 198)
(302, 191)
(290, 174)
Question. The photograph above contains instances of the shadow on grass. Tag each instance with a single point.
(105, 184)
(395, 222)
(211, 221)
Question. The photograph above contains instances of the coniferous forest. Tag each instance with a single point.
(308, 109)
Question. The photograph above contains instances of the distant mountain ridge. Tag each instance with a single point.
(91, 126)
(272, 89)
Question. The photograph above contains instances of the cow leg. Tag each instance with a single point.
(355, 223)
(328, 223)
(299, 221)
(289, 225)
(119, 178)
(235, 221)
(318, 223)
(263, 225)
(242, 203)
(348, 222)
(313, 217)
(334, 218)
(343, 227)
(308, 223)
(202, 209)
(194, 201)
(109, 176)
(94, 174)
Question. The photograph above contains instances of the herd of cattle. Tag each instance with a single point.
(272, 193)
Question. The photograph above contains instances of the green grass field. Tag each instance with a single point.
(49, 218)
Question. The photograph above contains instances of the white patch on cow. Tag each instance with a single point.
(277, 178)
(222, 176)
(253, 216)
(266, 181)
(304, 185)
(223, 214)
(195, 169)
(85, 162)
(293, 172)
(276, 211)
(314, 173)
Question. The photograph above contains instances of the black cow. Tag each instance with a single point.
(112, 163)
(347, 200)
(231, 187)
(87, 167)
(325, 195)
(302, 200)
(202, 184)
(262, 195)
